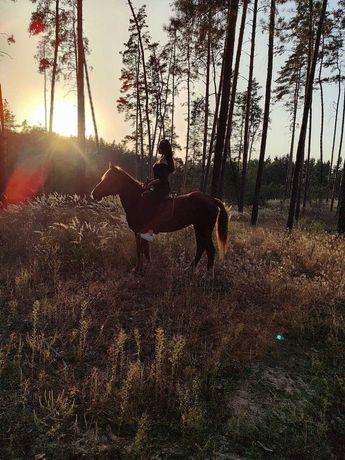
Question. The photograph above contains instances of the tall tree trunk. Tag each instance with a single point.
(307, 174)
(45, 93)
(160, 114)
(140, 112)
(2, 152)
(310, 58)
(248, 109)
(233, 94)
(173, 93)
(261, 164)
(215, 122)
(188, 121)
(81, 97)
(165, 104)
(334, 133)
(137, 156)
(45, 101)
(207, 104)
(322, 105)
(54, 70)
(240, 147)
(224, 105)
(91, 103)
(307, 104)
(154, 135)
(251, 142)
(341, 219)
(299, 193)
(147, 102)
(336, 175)
(293, 133)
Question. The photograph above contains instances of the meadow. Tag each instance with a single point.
(98, 362)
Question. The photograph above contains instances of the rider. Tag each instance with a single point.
(158, 188)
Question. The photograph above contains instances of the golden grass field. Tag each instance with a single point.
(98, 362)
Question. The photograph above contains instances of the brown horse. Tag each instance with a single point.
(196, 208)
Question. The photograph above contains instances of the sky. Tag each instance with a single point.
(106, 26)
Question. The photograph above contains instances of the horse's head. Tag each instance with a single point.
(111, 183)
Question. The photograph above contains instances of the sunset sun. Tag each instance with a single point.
(65, 118)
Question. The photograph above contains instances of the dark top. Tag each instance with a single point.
(161, 171)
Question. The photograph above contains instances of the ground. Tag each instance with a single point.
(98, 362)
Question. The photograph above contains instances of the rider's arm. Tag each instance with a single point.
(152, 183)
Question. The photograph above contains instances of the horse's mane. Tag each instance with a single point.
(125, 173)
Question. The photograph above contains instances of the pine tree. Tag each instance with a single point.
(307, 103)
(255, 210)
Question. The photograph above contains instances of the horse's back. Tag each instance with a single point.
(196, 196)
(196, 205)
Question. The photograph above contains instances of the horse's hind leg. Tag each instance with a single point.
(200, 247)
(211, 252)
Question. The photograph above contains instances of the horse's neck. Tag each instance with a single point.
(130, 195)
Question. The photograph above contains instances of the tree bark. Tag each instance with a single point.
(173, 93)
(293, 133)
(91, 103)
(2, 151)
(188, 122)
(54, 70)
(45, 94)
(166, 93)
(207, 97)
(261, 164)
(310, 58)
(248, 109)
(341, 220)
(81, 98)
(214, 125)
(334, 133)
(224, 105)
(147, 102)
(227, 149)
(140, 113)
(307, 104)
(322, 117)
(335, 183)
(307, 174)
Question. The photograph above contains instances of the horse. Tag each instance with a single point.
(196, 208)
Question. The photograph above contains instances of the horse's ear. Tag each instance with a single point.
(111, 166)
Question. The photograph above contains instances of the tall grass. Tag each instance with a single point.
(97, 361)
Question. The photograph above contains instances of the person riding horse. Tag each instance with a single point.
(198, 209)
(157, 189)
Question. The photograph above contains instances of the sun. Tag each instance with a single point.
(64, 119)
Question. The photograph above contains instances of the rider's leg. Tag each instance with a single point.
(148, 236)
(154, 198)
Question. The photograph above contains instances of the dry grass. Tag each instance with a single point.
(99, 362)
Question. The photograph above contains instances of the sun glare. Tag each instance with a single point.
(64, 121)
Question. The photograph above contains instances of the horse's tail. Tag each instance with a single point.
(222, 229)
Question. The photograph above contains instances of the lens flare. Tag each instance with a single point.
(25, 183)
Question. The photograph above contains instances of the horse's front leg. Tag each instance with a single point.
(140, 262)
(146, 250)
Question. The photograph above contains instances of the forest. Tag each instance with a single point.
(173, 361)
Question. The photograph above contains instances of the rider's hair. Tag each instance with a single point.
(166, 150)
